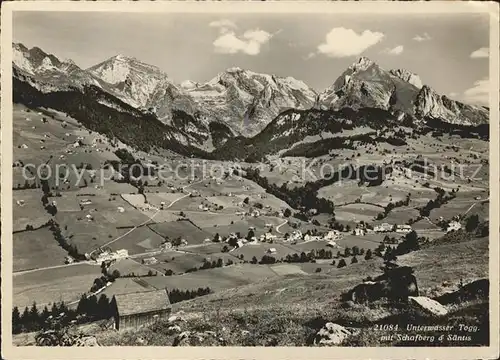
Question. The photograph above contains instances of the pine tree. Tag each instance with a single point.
(54, 310)
(354, 260)
(368, 255)
(16, 321)
(82, 307)
(25, 319)
(92, 311)
(103, 307)
(34, 318)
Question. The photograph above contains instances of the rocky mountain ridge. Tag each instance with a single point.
(240, 102)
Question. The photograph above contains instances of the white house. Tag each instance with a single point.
(404, 229)
(333, 235)
(272, 251)
(122, 253)
(384, 227)
(359, 232)
(269, 236)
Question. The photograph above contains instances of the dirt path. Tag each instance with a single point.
(280, 225)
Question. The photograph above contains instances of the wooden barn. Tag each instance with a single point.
(133, 310)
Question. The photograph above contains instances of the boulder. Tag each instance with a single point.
(190, 338)
(428, 305)
(84, 340)
(174, 318)
(90, 341)
(331, 334)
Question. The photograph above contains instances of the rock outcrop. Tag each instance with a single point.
(428, 305)
(332, 334)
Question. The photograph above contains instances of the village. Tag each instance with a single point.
(195, 235)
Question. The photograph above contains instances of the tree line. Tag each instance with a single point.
(63, 242)
(177, 295)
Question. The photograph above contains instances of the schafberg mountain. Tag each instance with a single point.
(365, 84)
(236, 104)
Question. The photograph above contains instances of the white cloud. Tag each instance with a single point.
(395, 51)
(424, 37)
(310, 56)
(342, 42)
(479, 93)
(224, 25)
(249, 43)
(483, 52)
(453, 94)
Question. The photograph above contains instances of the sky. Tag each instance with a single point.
(449, 52)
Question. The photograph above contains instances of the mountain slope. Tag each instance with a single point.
(51, 71)
(243, 100)
(248, 101)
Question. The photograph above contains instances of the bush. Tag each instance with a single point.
(354, 260)
(341, 263)
(317, 270)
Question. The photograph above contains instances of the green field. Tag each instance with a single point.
(217, 279)
(184, 229)
(31, 213)
(138, 241)
(129, 266)
(47, 286)
(87, 235)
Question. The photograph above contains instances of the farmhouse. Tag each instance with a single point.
(384, 227)
(333, 235)
(308, 237)
(359, 232)
(405, 229)
(133, 310)
(149, 261)
(121, 254)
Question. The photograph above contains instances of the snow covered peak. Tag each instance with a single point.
(117, 69)
(121, 57)
(189, 85)
(408, 76)
(362, 64)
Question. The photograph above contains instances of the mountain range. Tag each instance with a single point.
(235, 103)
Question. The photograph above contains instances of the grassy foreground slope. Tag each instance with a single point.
(288, 311)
